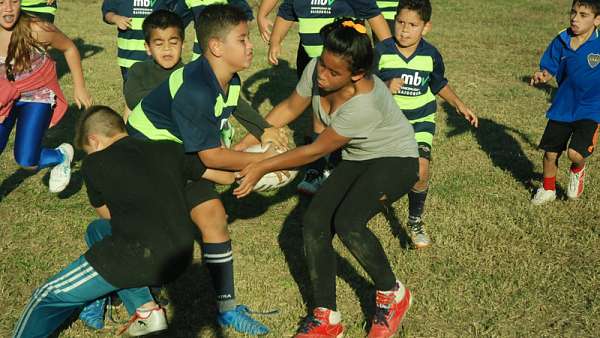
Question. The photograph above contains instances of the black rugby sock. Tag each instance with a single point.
(219, 260)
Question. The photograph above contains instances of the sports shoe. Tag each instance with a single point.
(239, 319)
(543, 196)
(313, 180)
(93, 314)
(321, 325)
(145, 322)
(60, 175)
(576, 181)
(418, 235)
(391, 306)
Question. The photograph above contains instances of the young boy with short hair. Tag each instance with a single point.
(572, 58)
(128, 16)
(164, 34)
(193, 107)
(144, 236)
(414, 72)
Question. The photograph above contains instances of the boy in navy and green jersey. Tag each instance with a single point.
(128, 16)
(193, 107)
(414, 71)
(44, 9)
(190, 9)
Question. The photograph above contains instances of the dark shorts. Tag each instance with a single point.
(583, 135)
(198, 192)
(424, 150)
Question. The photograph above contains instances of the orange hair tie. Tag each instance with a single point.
(357, 27)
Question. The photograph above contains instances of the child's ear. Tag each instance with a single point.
(147, 48)
(358, 76)
(597, 21)
(427, 28)
(215, 46)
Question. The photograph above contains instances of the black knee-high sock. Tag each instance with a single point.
(416, 204)
(219, 260)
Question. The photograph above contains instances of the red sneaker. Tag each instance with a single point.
(320, 325)
(576, 182)
(391, 308)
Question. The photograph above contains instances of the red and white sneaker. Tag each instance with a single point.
(323, 323)
(391, 308)
(576, 181)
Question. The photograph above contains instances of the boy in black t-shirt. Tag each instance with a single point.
(144, 237)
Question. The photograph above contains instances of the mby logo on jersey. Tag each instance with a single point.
(143, 7)
(321, 6)
(415, 80)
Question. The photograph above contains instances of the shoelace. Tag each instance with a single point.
(134, 318)
(380, 317)
(308, 324)
(418, 228)
(382, 310)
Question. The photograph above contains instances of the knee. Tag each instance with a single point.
(550, 157)
(209, 216)
(574, 156)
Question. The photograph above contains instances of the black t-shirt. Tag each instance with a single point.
(142, 184)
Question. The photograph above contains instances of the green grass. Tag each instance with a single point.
(499, 267)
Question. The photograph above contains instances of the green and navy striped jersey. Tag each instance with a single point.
(189, 10)
(130, 42)
(40, 8)
(312, 15)
(388, 8)
(423, 75)
(190, 108)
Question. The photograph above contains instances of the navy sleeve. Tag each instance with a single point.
(243, 5)
(193, 112)
(381, 48)
(94, 195)
(365, 9)
(185, 13)
(551, 59)
(438, 79)
(109, 6)
(286, 11)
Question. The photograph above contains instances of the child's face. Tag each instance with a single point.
(9, 13)
(410, 28)
(165, 46)
(583, 20)
(236, 47)
(333, 72)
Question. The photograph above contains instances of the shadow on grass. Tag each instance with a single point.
(545, 87)
(276, 84)
(86, 50)
(498, 142)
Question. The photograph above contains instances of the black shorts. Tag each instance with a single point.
(198, 192)
(582, 133)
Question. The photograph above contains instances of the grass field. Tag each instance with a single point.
(499, 267)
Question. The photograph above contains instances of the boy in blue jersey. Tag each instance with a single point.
(128, 16)
(413, 69)
(572, 58)
(193, 107)
(189, 10)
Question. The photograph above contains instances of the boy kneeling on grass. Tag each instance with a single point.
(573, 58)
(144, 236)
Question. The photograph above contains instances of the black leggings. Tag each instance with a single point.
(354, 193)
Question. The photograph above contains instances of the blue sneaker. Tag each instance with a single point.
(93, 314)
(240, 320)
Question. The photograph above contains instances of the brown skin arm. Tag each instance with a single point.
(219, 176)
(227, 159)
(103, 212)
(448, 94)
(327, 142)
(280, 30)
(380, 27)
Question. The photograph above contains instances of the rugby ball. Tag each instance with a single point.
(275, 179)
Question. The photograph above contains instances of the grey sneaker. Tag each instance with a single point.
(60, 175)
(418, 235)
(146, 322)
(313, 179)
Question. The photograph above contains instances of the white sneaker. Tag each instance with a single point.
(543, 196)
(576, 181)
(146, 322)
(60, 175)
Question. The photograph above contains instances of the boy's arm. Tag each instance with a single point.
(103, 212)
(368, 9)
(181, 8)
(259, 129)
(243, 5)
(283, 22)
(262, 18)
(449, 96)
(549, 63)
(219, 176)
